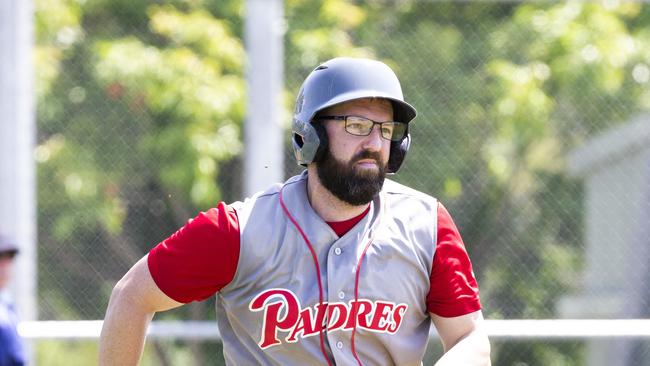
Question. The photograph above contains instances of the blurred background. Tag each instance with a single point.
(533, 129)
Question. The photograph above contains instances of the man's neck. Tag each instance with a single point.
(326, 205)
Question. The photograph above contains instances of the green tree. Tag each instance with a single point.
(139, 105)
(504, 92)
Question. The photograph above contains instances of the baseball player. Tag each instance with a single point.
(12, 351)
(335, 266)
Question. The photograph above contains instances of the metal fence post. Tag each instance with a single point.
(264, 33)
(17, 135)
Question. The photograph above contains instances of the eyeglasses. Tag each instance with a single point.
(360, 126)
(9, 254)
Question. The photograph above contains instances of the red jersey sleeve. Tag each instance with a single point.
(200, 258)
(453, 290)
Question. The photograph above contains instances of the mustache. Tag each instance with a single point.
(367, 154)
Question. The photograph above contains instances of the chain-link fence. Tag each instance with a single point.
(140, 113)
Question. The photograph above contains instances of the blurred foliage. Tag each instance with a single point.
(76, 353)
(140, 107)
(57, 353)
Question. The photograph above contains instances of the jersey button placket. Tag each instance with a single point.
(340, 280)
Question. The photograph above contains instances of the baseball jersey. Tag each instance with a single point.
(291, 291)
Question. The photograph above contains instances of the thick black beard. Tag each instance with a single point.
(354, 187)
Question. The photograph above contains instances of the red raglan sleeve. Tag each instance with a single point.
(200, 258)
(454, 291)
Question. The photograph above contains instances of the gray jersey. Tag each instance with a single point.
(284, 294)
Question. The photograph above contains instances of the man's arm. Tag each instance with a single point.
(464, 340)
(134, 300)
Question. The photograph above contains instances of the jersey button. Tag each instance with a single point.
(339, 345)
(337, 251)
(341, 295)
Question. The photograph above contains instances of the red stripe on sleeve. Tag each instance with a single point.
(454, 291)
(200, 258)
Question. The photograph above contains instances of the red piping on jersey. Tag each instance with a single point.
(315, 258)
(356, 291)
(320, 285)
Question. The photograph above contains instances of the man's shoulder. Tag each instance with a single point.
(393, 188)
(269, 194)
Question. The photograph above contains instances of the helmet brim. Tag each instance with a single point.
(402, 111)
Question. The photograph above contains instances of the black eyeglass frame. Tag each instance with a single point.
(345, 118)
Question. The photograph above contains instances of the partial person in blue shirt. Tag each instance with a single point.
(11, 345)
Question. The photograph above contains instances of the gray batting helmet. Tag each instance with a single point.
(341, 80)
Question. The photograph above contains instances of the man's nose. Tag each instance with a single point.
(374, 140)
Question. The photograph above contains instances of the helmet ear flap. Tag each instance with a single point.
(323, 141)
(310, 143)
(398, 150)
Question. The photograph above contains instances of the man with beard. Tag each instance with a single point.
(335, 266)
